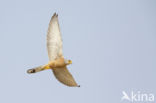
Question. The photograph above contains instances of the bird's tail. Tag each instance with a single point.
(37, 69)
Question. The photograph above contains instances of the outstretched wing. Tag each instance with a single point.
(64, 76)
(54, 40)
(54, 46)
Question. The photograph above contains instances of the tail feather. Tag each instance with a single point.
(36, 69)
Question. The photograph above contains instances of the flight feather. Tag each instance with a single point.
(54, 40)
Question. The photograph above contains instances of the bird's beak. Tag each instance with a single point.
(69, 61)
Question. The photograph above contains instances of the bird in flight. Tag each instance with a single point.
(57, 63)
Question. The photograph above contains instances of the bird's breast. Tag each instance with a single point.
(57, 63)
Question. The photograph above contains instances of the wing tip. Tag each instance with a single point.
(73, 86)
(55, 15)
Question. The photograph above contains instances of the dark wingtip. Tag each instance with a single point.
(55, 15)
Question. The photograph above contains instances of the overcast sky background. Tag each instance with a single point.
(112, 44)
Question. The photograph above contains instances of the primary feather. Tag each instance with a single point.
(54, 40)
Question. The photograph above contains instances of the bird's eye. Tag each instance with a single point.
(69, 61)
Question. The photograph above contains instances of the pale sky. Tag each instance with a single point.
(112, 44)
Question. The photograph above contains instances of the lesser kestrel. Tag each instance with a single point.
(57, 63)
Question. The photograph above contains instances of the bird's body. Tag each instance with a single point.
(56, 60)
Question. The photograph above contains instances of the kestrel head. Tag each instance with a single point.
(67, 62)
